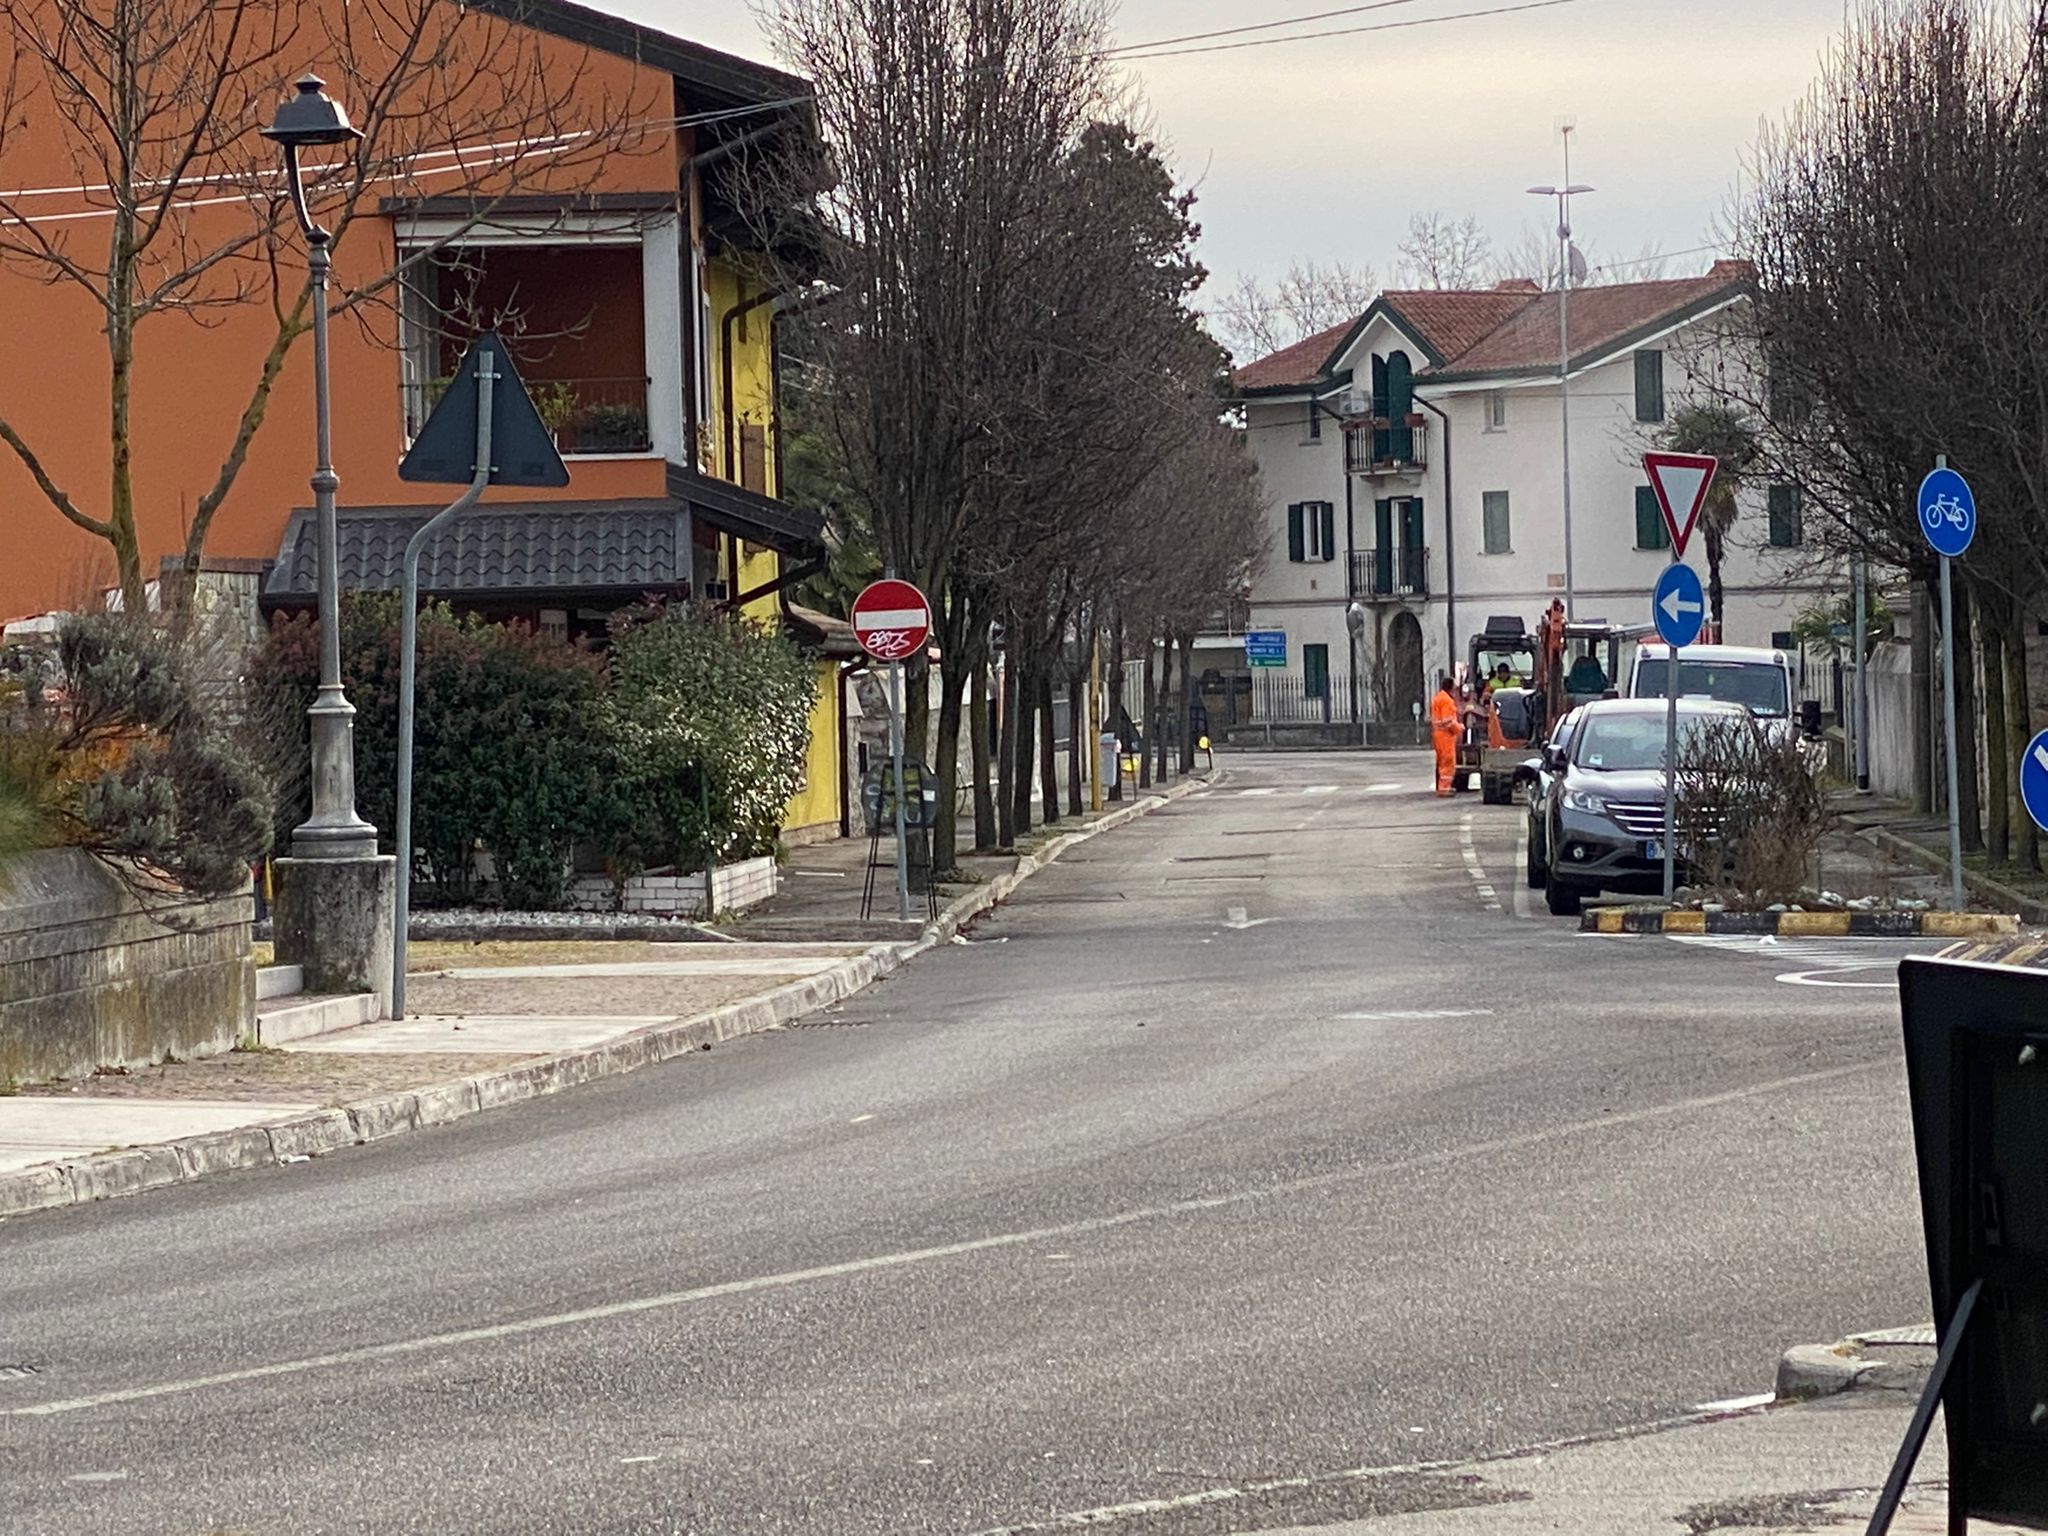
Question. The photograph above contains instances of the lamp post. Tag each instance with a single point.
(311, 118)
(1564, 194)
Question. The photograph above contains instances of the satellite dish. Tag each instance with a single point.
(1579, 269)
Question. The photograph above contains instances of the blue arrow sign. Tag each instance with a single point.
(2034, 780)
(1948, 512)
(1679, 605)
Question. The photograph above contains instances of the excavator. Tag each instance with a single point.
(1551, 672)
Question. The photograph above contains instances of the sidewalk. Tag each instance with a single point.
(1920, 841)
(495, 1022)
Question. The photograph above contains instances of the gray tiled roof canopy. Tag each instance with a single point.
(535, 546)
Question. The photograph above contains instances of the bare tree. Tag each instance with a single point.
(175, 211)
(1442, 252)
(1257, 317)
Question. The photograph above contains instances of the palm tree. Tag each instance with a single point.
(1728, 435)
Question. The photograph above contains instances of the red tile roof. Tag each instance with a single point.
(1301, 364)
(1511, 328)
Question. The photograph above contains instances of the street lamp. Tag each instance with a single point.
(311, 118)
(1564, 195)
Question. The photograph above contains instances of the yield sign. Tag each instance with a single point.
(891, 620)
(1680, 481)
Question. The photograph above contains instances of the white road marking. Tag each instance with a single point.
(1737, 1404)
(876, 1263)
(1384, 789)
(97, 1477)
(1234, 917)
(1419, 1013)
(1268, 789)
(860, 1119)
(634, 1461)
(1826, 961)
(1829, 979)
(1525, 899)
(1488, 897)
(1320, 789)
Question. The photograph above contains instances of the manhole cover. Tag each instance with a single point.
(14, 1372)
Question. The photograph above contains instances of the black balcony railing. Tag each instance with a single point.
(587, 416)
(1374, 445)
(1397, 572)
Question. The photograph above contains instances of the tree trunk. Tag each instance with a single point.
(1021, 775)
(1187, 701)
(1163, 705)
(917, 710)
(1997, 789)
(1077, 731)
(1714, 591)
(1149, 704)
(946, 769)
(1048, 750)
(1006, 759)
(1968, 798)
(986, 834)
(2019, 730)
(1113, 708)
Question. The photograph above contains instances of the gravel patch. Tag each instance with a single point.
(278, 1076)
(583, 996)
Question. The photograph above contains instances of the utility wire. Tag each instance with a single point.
(1383, 26)
(1260, 26)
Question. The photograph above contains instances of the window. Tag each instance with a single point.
(1494, 505)
(1496, 410)
(1315, 671)
(1781, 639)
(1312, 431)
(1649, 386)
(1786, 532)
(1650, 530)
(1311, 531)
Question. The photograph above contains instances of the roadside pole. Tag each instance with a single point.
(892, 620)
(1094, 735)
(1860, 709)
(1671, 769)
(1678, 607)
(896, 768)
(1948, 519)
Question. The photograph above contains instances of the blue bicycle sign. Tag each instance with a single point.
(1948, 512)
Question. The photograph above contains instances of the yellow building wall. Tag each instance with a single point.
(752, 374)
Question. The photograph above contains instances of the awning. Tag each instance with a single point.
(745, 514)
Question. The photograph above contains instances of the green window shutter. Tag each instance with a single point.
(1494, 506)
(1329, 530)
(1649, 385)
(1297, 549)
(1786, 532)
(1315, 671)
(1650, 530)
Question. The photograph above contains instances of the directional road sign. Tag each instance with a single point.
(1265, 647)
(1948, 512)
(2034, 780)
(891, 620)
(1680, 481)
(1679, 605)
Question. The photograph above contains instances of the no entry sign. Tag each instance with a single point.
(892, 620)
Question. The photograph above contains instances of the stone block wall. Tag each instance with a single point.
(736, 886)
(89, 977)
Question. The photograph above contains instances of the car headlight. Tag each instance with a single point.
(1584, 800)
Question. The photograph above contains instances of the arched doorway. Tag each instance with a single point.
(1403, 665)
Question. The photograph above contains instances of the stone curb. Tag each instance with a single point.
(1860, 1363)
(1806, 925)
(108, 1175)
(1982, 885)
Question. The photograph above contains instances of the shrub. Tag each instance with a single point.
(1750, 814)
(710, 720)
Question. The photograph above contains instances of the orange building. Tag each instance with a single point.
(579, 182)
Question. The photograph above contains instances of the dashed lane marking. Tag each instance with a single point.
(1400, 1015)
(1489, 898)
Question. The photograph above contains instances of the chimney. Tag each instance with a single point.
(1517, 285)
(1733, 271)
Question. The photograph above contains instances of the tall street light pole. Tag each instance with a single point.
(332, 915)
(1564, 194)
(310, 119)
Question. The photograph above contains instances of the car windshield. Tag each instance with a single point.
(1632, 743)
(1758, 686)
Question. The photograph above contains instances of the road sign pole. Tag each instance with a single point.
(1671, 770)
(1948, 711)
(896, 767)
(1860, 711)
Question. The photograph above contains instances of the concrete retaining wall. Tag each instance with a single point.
(90, 978)
(736, 886)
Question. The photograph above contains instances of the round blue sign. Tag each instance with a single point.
(2034, 780)
(1948, 512)
(1679, 605)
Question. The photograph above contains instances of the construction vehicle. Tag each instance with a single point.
(1552, 671)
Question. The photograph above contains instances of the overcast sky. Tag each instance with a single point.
(1324, 148)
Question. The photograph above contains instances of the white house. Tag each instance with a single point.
(1413, 461)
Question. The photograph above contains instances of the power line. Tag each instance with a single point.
(1384, 26)
(1261, 26)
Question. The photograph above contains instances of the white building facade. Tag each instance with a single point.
(1413, 463)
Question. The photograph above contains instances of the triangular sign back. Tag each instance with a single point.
(1680, 482)
(522, 448)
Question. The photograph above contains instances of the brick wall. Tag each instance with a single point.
(736, 886)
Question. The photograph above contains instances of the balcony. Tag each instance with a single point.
(1390, 575)
(1375, 446)
(591, 417)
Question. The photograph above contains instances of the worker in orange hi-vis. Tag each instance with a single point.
(1443, 722)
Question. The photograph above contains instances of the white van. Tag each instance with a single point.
(1760, 680)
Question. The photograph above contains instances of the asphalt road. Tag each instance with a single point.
(1261, 1138)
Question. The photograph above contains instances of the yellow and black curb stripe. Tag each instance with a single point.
(1804, 925)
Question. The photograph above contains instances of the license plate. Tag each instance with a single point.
(1654, 852)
